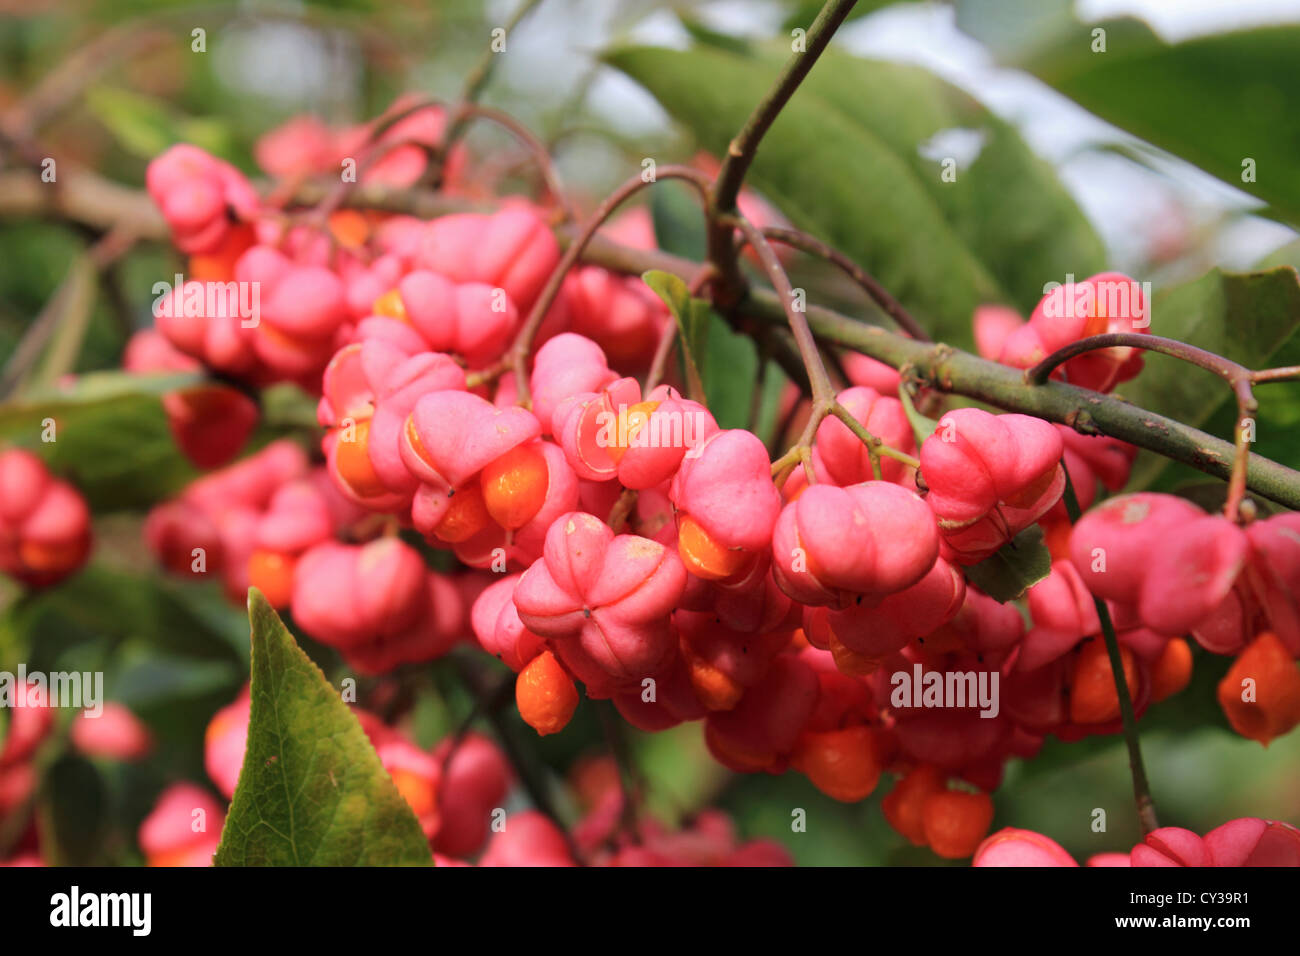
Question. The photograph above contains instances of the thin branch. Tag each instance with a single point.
(943, 368)
(1225, 368)
(742, 149)
(879, 294)
(530, 772)
(1146, 808)
(478, 77)
(517, 357)
(535, 147)
(65, 84)
(461, 115)
(72, 300)
(659, 363)
(875, 447)
(824, 401)
(1240, 378)
(89, 199)
(484, 704)
(822, 391)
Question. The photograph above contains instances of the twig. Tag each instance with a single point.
(1240, 378)
(616, 740)
(517, 357)
(530, 773)
(742, 149)
(87, 198)
(814, 246)
(477, 78)
(1146, 808)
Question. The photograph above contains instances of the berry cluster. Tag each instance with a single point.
(1248, 841)
(458, 792)
(274, 522)
(111, 732)
(613, 535)
(44, 522)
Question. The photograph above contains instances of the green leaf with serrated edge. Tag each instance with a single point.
(1249, 317)
(312, 791)
(1243, 85)
(1016, 567)
(692, 324)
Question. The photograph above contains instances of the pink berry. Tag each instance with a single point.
(1012, 847)
(895, 540)
(990, 477)
(613, 593)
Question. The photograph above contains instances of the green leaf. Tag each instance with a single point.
(679, 773)
(111, 437)
(145, 126)
(842, 162)
(702, 33)
(58, 331)
(1008, 28)
(1249, 317)
(726, 361)
(1007, 205)
(774, 381)
(101, 605)
(678, 222)
(1018, 565)
(721, 364)
(730, 371)
(312, 791)
(1287, 255)
(1242, 86)
(692, 323)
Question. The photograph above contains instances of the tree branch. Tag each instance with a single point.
(742, 149)
(87, 198)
